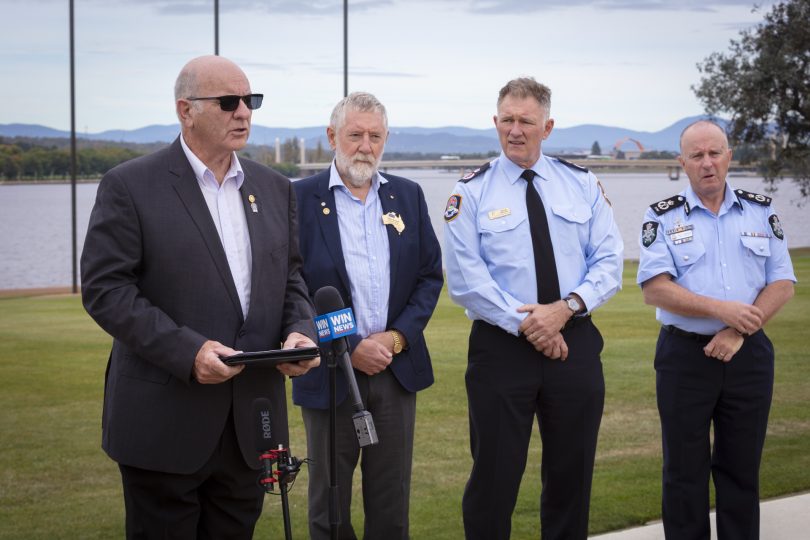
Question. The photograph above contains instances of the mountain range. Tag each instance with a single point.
(444, 140)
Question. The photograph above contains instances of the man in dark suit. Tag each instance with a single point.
(191, 255)
(368, 235)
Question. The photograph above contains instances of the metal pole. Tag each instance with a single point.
(75, 287)
(216, 27)
(345, 48)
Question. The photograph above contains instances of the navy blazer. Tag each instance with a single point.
(416, 277)
(156, 278)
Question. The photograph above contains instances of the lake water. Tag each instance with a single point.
(35, 236)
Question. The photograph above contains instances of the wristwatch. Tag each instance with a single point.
(573, 304)
(397, 341)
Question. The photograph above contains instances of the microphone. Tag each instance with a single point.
(262, 440)
(334, 322)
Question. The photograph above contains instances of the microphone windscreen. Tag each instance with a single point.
(327, 300)
(261, 421)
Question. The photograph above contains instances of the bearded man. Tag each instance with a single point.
(368, 235)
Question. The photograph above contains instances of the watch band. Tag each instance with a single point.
(397, 341)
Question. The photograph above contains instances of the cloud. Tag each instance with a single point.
(286, 7)
(521, 6)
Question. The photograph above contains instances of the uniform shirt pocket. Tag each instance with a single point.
(691, 275)
(573, 223)
(505, 240)
(756, 251)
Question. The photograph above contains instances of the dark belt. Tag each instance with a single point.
(675, 331)
(576, 321)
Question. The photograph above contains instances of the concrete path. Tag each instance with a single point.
(786, 518)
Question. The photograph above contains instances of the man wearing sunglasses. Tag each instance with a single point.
(192, 255)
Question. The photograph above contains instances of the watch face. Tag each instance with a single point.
(573, 305)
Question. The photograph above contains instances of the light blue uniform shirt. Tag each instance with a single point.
(364, 241)
(729, 256)
(488, 244)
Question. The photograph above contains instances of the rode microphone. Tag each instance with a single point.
(262, 439)
(334, 322)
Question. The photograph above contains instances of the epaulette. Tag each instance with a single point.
(665, 205)
(472, 174)
(753, 197)
(572, 165)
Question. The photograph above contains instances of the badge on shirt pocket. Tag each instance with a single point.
(681, 234)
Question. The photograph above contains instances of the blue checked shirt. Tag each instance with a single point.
(364, 242)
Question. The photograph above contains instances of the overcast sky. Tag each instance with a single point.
(627, 63)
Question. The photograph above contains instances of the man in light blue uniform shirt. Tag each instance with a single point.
(714, 262)
(531, 249)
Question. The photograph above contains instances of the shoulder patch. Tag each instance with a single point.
(649, 230)
(572, 165)
(453, 207)
(776, 226)
(476, 172)
(753, 197)
(665, 205)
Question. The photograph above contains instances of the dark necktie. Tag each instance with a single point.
(545, 269)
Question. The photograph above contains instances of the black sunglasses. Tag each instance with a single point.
(231, 103)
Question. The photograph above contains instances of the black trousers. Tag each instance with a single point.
(695, 392)
(221, 500)
(508, 385)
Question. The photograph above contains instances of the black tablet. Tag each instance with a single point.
(271, 358)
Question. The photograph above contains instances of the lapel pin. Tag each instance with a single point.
(252, 201)
(326, 211)
(394, 219)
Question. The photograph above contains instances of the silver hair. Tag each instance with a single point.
(356, 101)
(524, 87)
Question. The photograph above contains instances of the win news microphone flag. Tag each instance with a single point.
(334, 323)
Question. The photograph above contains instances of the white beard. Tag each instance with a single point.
(359, 172)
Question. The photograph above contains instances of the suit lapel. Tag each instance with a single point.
(328, 221)
(187, 188)
(389, 201)
(247, 191)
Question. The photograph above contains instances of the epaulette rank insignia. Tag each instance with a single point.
(572, 165)
(476, 172)
(753, 197)
(664, 206)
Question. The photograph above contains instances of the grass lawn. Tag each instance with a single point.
(56, 482)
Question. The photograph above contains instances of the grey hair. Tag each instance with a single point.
(356, 101)
(524, 87)
(186, 83)
(699, 122)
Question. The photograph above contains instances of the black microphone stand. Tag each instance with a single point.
(287, 467)
(334, 508)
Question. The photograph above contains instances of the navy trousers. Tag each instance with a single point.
(696, 392)
(509, 384)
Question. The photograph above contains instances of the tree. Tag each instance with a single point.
(763, 82)
(596, 150)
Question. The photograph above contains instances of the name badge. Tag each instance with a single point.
(495, 214)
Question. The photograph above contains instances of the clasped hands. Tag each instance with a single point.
(742, 320)
(209, 369)
(542, 328)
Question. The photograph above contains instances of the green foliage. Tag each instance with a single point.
(596, 150)
(23, 160)
(290, 170)
(763, 82)
(52, 371)
(658, 154)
